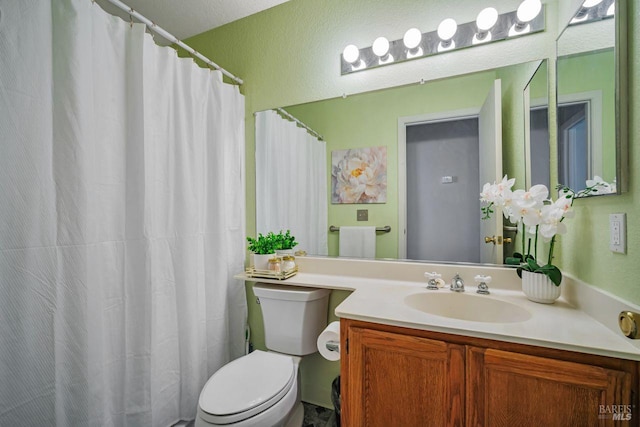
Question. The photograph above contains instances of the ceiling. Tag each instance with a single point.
(186, 18)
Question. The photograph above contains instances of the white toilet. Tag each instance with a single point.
(261, 388)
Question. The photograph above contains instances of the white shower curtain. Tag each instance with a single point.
(121, 221)
(291, 182)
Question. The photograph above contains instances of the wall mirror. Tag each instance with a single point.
(439, 122)
(591, 109)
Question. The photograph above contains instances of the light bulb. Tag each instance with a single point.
(380, 46)
(447, 29)
(486, 19)
(412, 38)
(612, 10)
(528, 10)
(591, 3)
(351, 53)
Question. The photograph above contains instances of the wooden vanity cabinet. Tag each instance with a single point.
(392, 376)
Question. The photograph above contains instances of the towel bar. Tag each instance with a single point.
(384, 229)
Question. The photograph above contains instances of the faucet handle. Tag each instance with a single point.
(482, 282)
(434, 280)
(481, 278)
(432, 275)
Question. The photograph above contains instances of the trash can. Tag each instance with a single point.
(335, 399)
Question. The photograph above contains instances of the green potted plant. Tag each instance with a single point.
(286, 243)
(263, 248)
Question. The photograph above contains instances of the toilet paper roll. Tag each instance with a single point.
(331, 336)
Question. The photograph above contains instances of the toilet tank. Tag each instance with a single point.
(293, 317)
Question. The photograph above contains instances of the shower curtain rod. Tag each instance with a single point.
(165, 34)
(311, 131)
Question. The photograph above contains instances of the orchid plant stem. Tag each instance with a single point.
(523, 237)
(553, 242)
(535, 245)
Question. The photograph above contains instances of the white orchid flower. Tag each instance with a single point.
(505, 184)
(534, 197)
(564, 206)
(603, 187)
(497, 192)
(489, 193)
(528, 216)
(552, 216)
(507, 203)
(552, 227)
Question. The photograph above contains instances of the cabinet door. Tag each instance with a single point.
(513, 389)
(401, 380)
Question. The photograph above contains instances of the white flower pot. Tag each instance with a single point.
(539, 288)
(261, 262)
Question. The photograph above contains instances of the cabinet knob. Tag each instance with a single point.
(628, 322)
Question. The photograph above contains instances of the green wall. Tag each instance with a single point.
(290, 55)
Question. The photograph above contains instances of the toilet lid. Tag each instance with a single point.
(248, 385)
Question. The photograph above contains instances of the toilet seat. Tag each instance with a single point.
(246, 387)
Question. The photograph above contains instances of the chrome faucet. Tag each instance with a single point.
(457, 284)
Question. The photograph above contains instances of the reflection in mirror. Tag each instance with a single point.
(373, 119)
(586, 101)
(537, 150)
(291, 191)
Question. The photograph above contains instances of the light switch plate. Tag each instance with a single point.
(618, 233)
(363, 215)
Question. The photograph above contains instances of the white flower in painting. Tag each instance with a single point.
(361, 176)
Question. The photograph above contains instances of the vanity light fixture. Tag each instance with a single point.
(446, 30)
(412, 39)
(485, 21)
(381, 49)
(527, 11)
(489, 27)
(594, 10)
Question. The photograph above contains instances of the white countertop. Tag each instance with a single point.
(377, 297)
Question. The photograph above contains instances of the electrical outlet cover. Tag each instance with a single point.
(618, 233)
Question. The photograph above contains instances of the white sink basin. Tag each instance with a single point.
(464, 306)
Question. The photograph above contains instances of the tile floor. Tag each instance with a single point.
(317, 416)
(314, 416)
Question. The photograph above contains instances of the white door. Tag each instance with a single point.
(490, 129)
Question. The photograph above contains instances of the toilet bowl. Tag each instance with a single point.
(259, 389)
(262, 388)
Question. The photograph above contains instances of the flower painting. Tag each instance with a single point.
(359, 175)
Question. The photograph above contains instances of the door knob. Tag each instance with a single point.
(496, 240)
